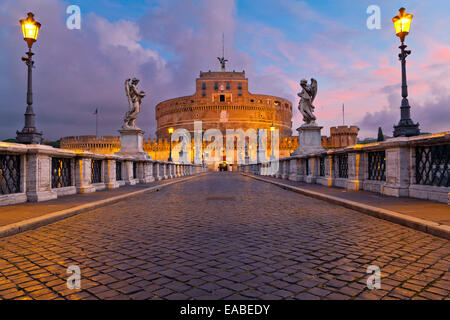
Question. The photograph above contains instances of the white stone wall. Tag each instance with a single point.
(36, 172)
(400, 168)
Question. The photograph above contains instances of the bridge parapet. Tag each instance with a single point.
(38, 172)
(417, 167)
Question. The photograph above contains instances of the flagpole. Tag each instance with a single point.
(343, 115)
(96, 122)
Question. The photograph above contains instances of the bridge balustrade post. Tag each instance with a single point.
(39, 175)
(329, 170)
(172, 169)
(398, 170)
(157, 170)
(166, 171)
(83, 175)
(285, 172)
(148, 171)
(110, 173)
(129, 174)
(280, 169)
(355, 171)
(293, 168)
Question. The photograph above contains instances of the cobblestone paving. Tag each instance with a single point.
(224, 236)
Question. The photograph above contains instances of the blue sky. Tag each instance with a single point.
(167, 42)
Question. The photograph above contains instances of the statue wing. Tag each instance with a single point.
(313, 89)
(127, 91)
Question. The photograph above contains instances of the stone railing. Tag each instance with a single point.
(38, 173)
(417, 167)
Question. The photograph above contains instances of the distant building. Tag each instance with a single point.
(341, 136)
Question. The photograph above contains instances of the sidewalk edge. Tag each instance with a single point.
(430, 227)
(33, 223)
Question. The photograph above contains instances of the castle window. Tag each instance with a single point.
(240, 93)
(251, 100)
(216, 85)
(203, 94)
(222, 98)
(204, 86)
(276, 103)
(228, 86)
(240, 85)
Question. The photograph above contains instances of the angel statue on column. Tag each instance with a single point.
(307, 96)
(134, 103)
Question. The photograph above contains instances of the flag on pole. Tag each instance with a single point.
(96, 111)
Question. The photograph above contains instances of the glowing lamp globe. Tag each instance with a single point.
(402, 23)
(30, 29)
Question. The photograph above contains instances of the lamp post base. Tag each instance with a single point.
(29, 136)
(406, 129)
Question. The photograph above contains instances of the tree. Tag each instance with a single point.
(380, 135)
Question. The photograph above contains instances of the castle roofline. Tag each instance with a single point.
(222, 74)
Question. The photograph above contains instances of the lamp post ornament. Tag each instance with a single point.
(170, 145)
(405, 127)
(29, 134)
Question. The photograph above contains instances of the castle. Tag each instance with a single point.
(221, 101)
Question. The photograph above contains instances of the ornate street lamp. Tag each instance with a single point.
(29, 134)
(406, 127)
(170, 141)
(272, 128)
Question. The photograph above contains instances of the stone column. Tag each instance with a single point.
(328, 180)
(355, 171)
(128, 173)
(83, 175)
(310, 176)
(279, 173)
(110, 174)
(285, 172)
(293, 169)
(397, 172)
(164, 172)
(148, 172)
(39, 177)
(157, 171)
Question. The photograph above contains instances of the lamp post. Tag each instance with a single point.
(406, 127)
(272, 128)
(170, 141)
(29, 134)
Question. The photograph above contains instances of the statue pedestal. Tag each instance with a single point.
(131, 144)
(309, 139)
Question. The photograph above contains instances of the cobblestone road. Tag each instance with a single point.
(224, 236)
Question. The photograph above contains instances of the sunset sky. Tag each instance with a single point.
(167, 43)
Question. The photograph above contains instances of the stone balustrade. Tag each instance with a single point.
(38, 172)
(417, 167)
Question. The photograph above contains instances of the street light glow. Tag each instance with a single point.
(402, 23)
(30, 29)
